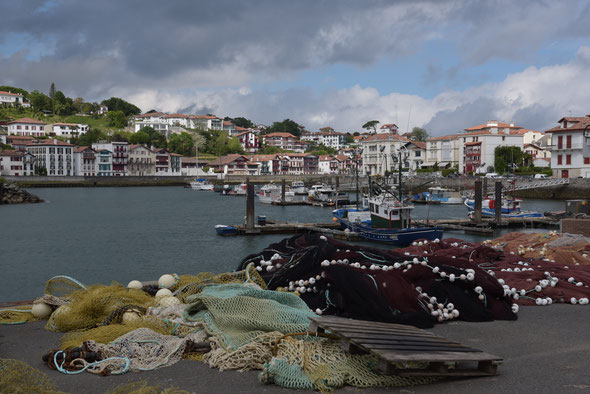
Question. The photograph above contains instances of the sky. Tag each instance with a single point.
(440, 65)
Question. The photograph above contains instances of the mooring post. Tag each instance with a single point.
(1, 190)
(337, 181)
(485, 187)
(283, 188)
(249, 204)
(477, 202)
(498, 202)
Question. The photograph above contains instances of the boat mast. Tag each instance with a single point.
(400, 174)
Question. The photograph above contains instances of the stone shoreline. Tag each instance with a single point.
(10, 193)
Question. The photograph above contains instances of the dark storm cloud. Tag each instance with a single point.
(466, 115)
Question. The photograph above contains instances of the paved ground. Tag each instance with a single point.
(546, 351)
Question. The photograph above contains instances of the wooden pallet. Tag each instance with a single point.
(396, 343)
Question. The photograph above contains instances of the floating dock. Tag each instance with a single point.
(331, 228)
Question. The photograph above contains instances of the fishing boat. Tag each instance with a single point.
(223, 229)
(273, 194)
(298, 187)
(201, 184)
(238, 190)
(327, 195)
(438, 195)
(510, 208)
(385, 220)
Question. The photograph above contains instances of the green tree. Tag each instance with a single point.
(52, 91)
(321, 149)
(371, 125)
(141, 138)
(116, 119)
(39, 101)
(419, 134)
(93, 135)
(349, 139)
(118, 104)
(242, 122)
(286, 126)
(183, 144)
(510, 155)
(270, 150)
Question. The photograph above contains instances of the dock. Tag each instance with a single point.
(330, 228)
(487, 226)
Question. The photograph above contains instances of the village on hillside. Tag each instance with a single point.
(33, 146)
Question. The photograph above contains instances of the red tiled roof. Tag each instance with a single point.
(175, 116)
(48, 142)
(419, 144)
(220, 161)
(578, 124)
(326, 157)
(262, 157)
(473, 143)
(242, 128)
(11, 152)
(484, 132)
(499, 125)
(388, 126)
(26, 121)
(203, 117)
(65, 124)
(149, 115)
(10, 94)
(386, 137)
(280, 134)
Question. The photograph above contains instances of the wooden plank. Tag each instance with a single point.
(414, 348)
(395, 357)
(362, 337)
(392, 331)
(381, 341)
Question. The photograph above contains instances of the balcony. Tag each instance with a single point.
(565, 147)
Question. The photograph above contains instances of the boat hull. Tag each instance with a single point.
(396, 237)
(225, 230)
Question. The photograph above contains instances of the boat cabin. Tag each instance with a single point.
(389, 213)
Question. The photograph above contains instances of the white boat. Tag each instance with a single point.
(298, 187)
(510, 208)
(322, 193)
(444, 196)
(201, 184)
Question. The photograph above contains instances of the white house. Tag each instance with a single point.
(378, 151)
(85, 161)
(479, 144)
(248, 140)
(26, 127)
(443, 151)
(328, 164)
(286, 141)
(416, 154)
(53, 155)
(17, 163)
(205, 122)
(570, 149)
(120, 155)
(154, 120)
(13, 99)
(176, 119)
(105, 162)
(69, 129)
(142, 161)
(389, 128)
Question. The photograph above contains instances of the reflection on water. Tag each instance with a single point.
(97, 235)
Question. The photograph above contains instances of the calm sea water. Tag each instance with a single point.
(98, 235)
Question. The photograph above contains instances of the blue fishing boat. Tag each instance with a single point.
(510, 208)
(385, 220)
(222, 229)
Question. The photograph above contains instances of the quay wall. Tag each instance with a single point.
(578, 188)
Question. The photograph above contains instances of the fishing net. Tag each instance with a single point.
(19, 377)
(61, 286)
(321, 364)
(394, 286)
(90, 307)
(109, 333)
(531, 269)
(236, 314)
(173, 318)
(188, 285)
(17, 315)
(142, 350)
(252, 355)
(142, 387)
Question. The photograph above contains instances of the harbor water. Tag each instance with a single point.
(100, 235)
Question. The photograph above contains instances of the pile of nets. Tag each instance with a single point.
(404, 287)
(533, 269)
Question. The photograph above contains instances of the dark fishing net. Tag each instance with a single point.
(395, 286)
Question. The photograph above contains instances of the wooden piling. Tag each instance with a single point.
(498, 202)
(283, 189)
(477, 202)
(249, 204)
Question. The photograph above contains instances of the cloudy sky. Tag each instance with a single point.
(441, 65)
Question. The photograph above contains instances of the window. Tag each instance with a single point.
(568, 159)
(569, 142)
(586, 160)
(558, 159)
(560, 142)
